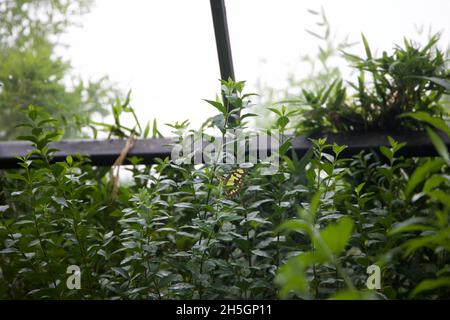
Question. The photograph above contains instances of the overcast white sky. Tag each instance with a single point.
(165, 50)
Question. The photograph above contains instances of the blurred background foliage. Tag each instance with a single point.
(32, 73)
(332, 98)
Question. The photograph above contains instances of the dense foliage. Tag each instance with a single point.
(413, 77)
(310, 230)
(33, 73)
(410, 79)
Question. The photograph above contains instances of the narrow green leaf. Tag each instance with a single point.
(217, 105)
(426, 117)
(412, 224)
(366, 47)
(314, 205)
(294, 225)
(440, 146)
(433, 182)
(421, 173)
(147, 129)
(440, 196)
(430, 284)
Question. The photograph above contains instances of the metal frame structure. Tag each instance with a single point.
(105, 152)
(219, 15)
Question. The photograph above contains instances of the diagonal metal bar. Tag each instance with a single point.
(219, 16)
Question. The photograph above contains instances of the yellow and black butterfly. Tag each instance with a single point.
(234, 181)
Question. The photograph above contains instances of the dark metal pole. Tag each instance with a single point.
(219, 16)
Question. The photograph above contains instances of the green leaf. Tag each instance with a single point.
(28, 138)
(9, 250)
(426, 117)
(387, 153)
(181, 286)
(346, 295)
(314, 205)
(276, 111)
(441, 148)
(15, 176)
(147, 129)
(366, 47)
(23, 222)
(217, 105)
(421, 174)
(440, 196)
(294, 225)
(261, 253)
(420, 242)
(315, 35)
(392, 142)
(409, 225)
(282, 122)
(359, 188)
(260, 202)
(439, 81)
(338, 149)
(336, 236)
(291, 276)
(120, 271)
(60, 201)
(186, 205)
(155, 132)
(285, 147)
(219, 121)
(433, 182)
(248, 115)
(430, 284)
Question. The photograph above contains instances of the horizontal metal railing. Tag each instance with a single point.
(105, 152)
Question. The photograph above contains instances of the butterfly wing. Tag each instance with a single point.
(234, 182)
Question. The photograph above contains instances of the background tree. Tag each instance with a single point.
(31, 73)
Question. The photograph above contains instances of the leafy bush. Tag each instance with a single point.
(310, 230)
(410, 79)
(393, 219)
(32, 72)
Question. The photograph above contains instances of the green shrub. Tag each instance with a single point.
(410, 79)
(310, 230)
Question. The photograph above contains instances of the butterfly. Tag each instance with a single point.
(234, 181)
